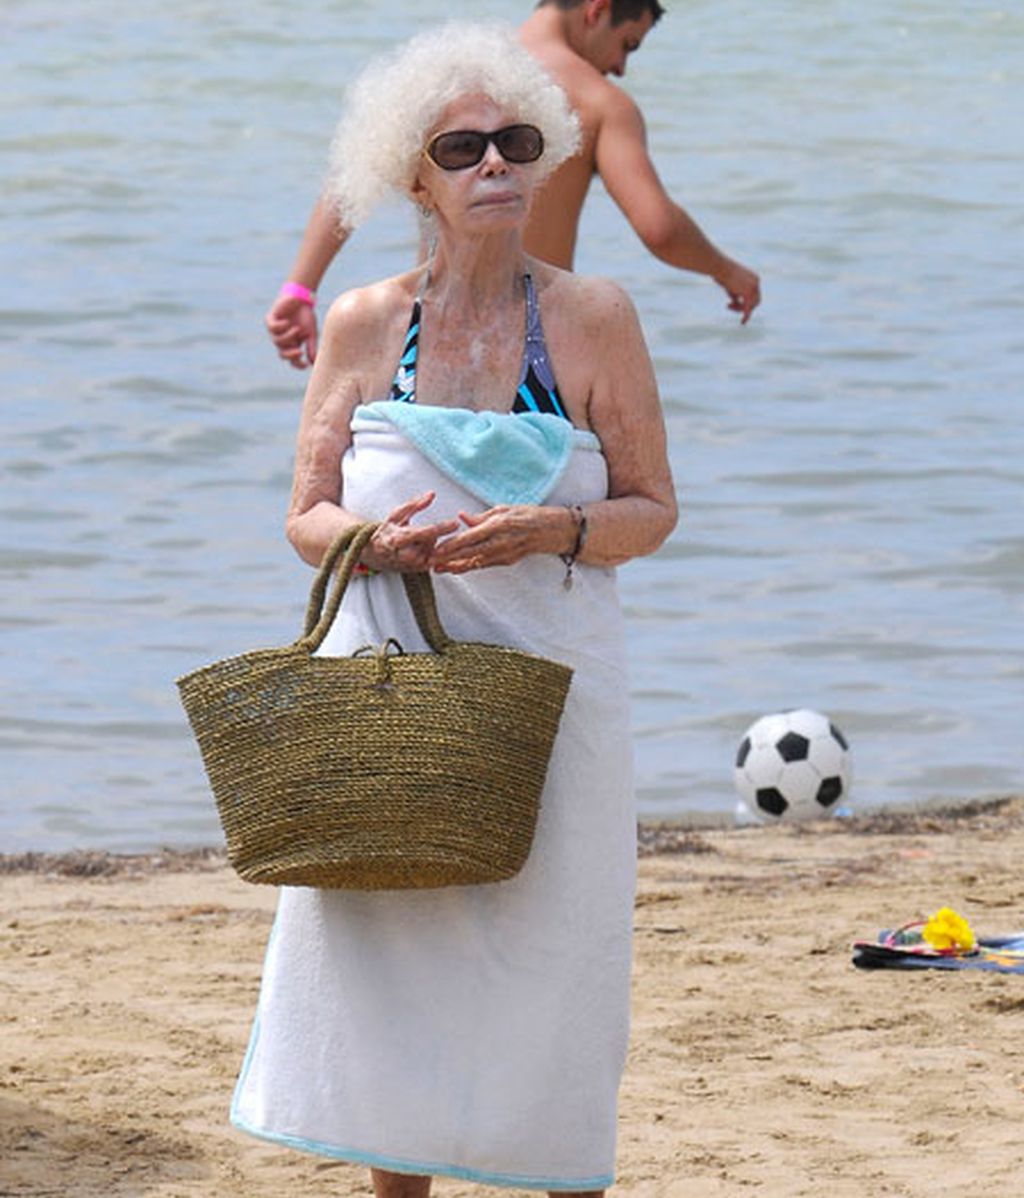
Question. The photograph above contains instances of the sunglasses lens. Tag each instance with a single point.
(463, 148)
(458, 150)
(520, 143)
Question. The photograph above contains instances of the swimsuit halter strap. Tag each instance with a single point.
(534, 331)
(536, 390)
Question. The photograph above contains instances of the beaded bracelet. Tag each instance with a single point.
(569, 559)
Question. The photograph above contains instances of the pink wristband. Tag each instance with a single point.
(297, 291)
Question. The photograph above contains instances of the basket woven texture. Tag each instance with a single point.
(384, 770)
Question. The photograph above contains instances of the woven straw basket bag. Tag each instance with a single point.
(384, 770)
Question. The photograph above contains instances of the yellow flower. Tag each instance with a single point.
(948, 932)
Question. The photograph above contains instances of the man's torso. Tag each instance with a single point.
(554, 219)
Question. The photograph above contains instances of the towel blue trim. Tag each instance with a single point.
(498, 457)
(423, 1168)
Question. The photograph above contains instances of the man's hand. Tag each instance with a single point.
(743, 288)
(292, 327)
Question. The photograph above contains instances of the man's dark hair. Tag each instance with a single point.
(622, 10)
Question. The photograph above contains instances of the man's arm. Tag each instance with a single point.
(662, 225)
(291, 322)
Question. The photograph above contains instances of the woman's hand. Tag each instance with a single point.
(504, 535)
(397, 546)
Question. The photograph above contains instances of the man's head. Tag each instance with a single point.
(606, 32)
(621, 10)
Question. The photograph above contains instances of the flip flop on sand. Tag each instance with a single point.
(918, 946)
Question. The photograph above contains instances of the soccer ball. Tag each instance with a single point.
(794, 766)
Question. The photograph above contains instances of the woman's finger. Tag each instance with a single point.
(405, 511)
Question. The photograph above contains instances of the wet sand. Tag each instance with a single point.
(761, 1060)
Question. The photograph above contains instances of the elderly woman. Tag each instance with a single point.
(500, 418)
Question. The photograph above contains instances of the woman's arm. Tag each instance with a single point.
(315, 516)
(625, 413)
(351, 331)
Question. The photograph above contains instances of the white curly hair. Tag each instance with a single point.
(396, 102)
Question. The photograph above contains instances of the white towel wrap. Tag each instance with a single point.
(478, 1032)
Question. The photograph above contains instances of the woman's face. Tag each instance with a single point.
(490, 196)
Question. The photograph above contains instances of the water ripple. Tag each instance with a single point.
(848, 463)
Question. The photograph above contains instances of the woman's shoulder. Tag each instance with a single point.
(590, 302)
(364, 311)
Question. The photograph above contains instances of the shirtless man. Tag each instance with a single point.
(579, 43)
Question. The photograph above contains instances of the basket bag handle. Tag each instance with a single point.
(339, 562)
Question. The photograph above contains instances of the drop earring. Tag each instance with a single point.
(428, 230)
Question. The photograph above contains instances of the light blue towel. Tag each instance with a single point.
(498, 457)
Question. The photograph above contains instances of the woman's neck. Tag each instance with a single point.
(476, 275)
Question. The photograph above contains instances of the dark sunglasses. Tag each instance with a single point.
(463, 148)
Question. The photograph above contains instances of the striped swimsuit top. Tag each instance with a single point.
(537, 390)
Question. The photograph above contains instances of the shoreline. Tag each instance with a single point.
(654, 838)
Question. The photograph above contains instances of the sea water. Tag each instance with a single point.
(849, 464)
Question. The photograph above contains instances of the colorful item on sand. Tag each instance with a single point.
(945, 941)
(948, 932)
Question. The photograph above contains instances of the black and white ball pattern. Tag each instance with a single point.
(794, 765)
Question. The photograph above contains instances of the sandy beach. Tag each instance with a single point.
(761, 1060)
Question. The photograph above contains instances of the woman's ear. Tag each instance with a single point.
(420, 194)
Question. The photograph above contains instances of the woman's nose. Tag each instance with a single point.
(493, 162)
